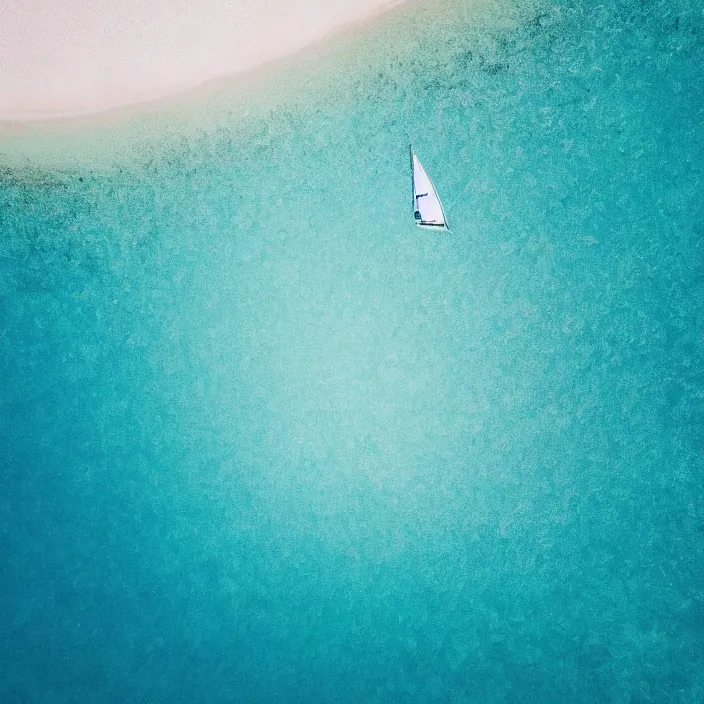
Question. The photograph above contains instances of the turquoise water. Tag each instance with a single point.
(262, 440)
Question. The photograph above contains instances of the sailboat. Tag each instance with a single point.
(427, 208)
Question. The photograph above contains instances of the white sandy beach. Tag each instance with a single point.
(67, 57)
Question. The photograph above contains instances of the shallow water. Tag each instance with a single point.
(264, 441)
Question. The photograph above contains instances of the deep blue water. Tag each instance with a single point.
(262, 440)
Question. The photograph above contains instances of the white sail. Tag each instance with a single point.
(427, 208)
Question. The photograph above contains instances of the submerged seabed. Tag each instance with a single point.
(263, 441)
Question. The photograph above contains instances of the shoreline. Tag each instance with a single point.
(327, 72)
(161, 97)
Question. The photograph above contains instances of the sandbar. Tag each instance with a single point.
(63, 58)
